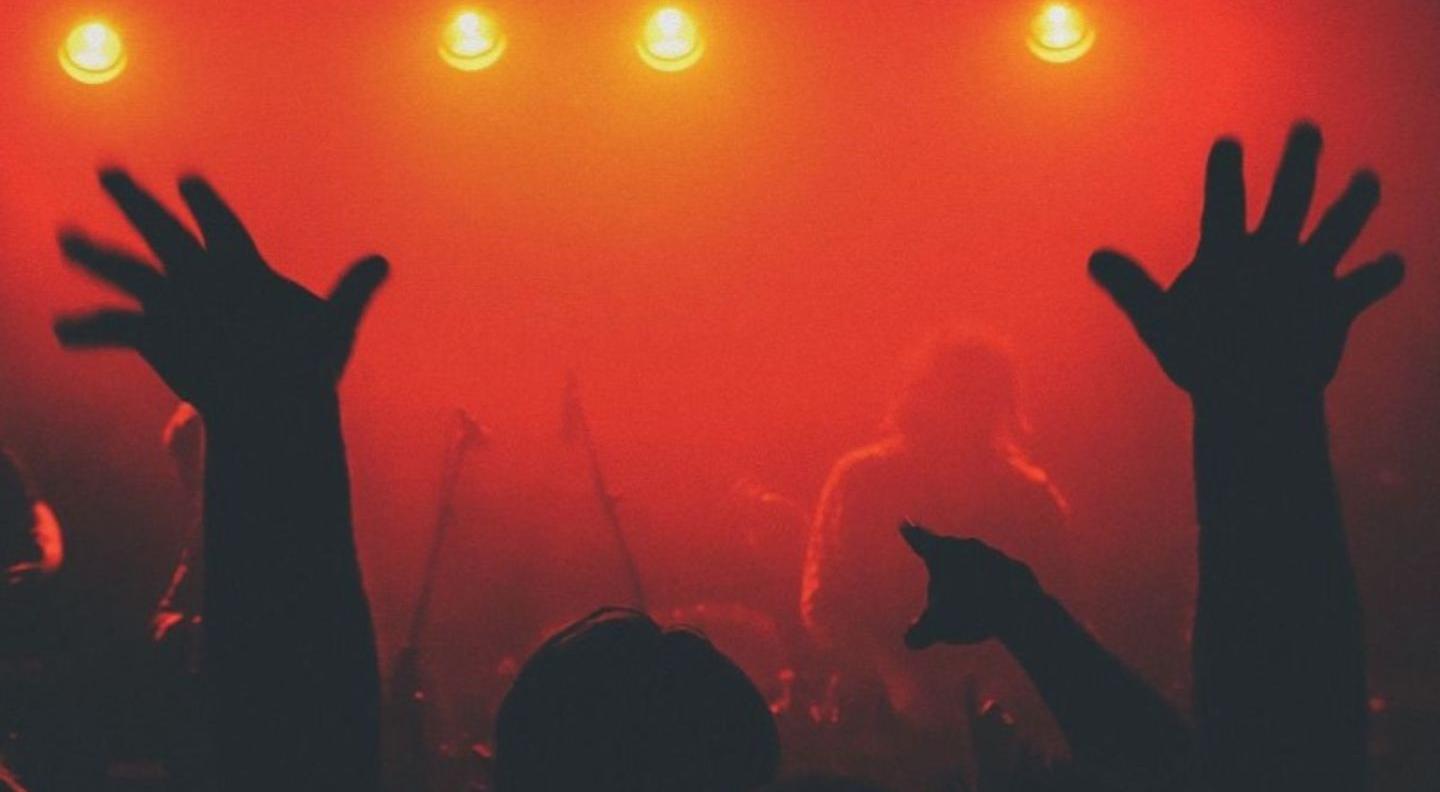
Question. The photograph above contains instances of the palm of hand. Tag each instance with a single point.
(216, 322)
(1262, 312)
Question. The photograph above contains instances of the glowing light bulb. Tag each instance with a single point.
(670, 41)
(472, 41)
(1060, 33)
(93, 53)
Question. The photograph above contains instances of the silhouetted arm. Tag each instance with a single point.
(289, 647)
(1279, 650)
(1254, 329)
(1119, 730)
(290, 653)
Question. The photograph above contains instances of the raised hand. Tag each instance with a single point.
(215, 321)
(1119, 730)
(1254, 329)
(1263, 311)
(289, 648)
(975, 591)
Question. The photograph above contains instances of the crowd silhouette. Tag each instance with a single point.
(1253, 330)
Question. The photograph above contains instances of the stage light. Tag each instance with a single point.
(93, 53)
(472, 41)
(1060, 33)
(670, 41)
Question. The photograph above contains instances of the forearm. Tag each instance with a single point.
(1279, 661)
(1118, 728)
(290, 650)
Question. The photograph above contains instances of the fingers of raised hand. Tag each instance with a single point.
(922, 540)
(176, 247)
(1294, 185)
(1222, 222)
(117, 267)
(356, 288)
(221, 228)
(1343, 222)
(108, 327)
(1137, 294)
(1368, 284)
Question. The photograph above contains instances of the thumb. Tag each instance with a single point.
(1368, 284)
(1137, 294)
(355, 289)
(923, 633)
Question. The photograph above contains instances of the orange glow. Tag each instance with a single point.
(670, 41)
(1060, 33)
(93, 53)
(472, 41)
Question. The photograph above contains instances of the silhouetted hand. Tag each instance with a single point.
(1262, 312)
(1117, 727)
(215, 322)
(975, 592)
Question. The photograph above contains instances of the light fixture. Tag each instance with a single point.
(93, 53)
(1060, 33)
(670, 41)
(472, 41)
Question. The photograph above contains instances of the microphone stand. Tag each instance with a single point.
(409, 767)
(578, 425)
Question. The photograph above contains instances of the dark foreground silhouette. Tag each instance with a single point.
(1253, 329)
(615, 702)
(290, 656)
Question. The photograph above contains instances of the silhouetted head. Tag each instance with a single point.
(615, 702)
(961, 393)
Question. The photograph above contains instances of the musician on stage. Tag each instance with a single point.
(950, 458)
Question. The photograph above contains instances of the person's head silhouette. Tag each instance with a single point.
(616, 702)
